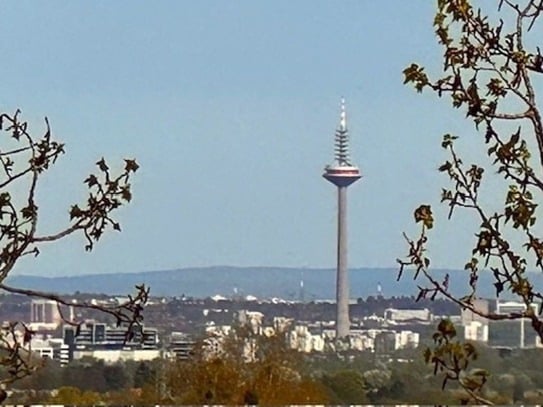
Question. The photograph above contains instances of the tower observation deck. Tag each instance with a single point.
(342, 173)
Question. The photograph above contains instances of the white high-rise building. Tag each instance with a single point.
(476, 331)
(44, 314)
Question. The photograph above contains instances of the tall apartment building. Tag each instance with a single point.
(44, 314)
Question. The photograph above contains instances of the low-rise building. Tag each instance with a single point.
(180, 345)
(406, 339)
(118, 355)
(50, 348)
(406, 315)
(93, 336)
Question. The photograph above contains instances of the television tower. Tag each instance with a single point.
(342, 173)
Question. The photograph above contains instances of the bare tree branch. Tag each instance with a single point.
(23, 166)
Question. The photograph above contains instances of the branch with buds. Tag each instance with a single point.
(489, 71)
(23, 162)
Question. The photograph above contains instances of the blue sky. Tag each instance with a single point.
(230, 109)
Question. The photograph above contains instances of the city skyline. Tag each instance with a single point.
(229, 110)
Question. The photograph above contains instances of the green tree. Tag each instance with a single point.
(346, 387)
(116, 377)
(491, 70)
(74, 396)
(242, 368)
(48, 377)
(143, 374)
(86, 374)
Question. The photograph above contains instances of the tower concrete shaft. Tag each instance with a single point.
(342, 278)
(342, 173)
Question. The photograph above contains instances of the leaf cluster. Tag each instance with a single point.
(451, 358)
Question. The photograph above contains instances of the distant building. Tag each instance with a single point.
(94, 336)
(385, 342)
(408, 315)
(50, 348)
(469, 316)
(360, 341)
(118, 355)
(180, 345)
(513, 333)
(44, 315)
(407, 339)
(511, 307)
(252, 319)
(303, 340)
(282, 324)
(476, 331)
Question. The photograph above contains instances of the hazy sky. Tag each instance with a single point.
(230, 109)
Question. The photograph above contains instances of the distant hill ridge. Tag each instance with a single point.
(262, 282)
